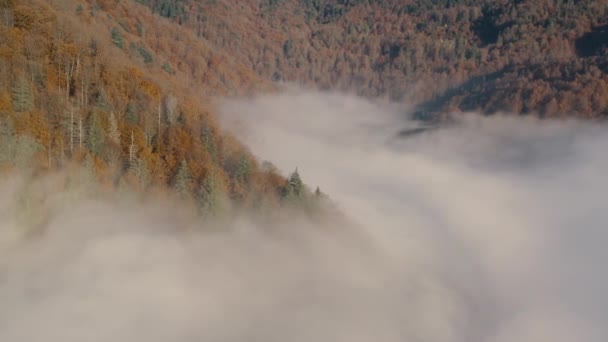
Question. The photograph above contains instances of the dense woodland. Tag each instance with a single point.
(528, 56)
(120, 99)
(123, 89)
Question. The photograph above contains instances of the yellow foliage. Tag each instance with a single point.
(6, 105)
(39, 127)
(24, 17)
(150, 88)
(67, 49)
(134, 73)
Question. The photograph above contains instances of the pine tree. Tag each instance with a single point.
(8, 142)
(131, 115)
(117, 38)
(95, 137)
(209, 142)
(242, 170)
(139, 167)
(210, 196)
(23, 99)
(102, 100)
(294, 191)
(182, 180)
(295, 183)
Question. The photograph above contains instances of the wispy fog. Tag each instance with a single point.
(489, 229)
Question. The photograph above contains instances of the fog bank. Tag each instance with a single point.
(491, 229)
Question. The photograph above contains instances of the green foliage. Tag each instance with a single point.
(211, 199)
(242, 170)
(171, 9)
(139, 168)
(168, 68)
(102, 101)
(269, 5)
(17, 149)
(131, 114)
(117, 38)
(23, 99)
(209, 142)
(95, 137)
(294, 192)
(183, 179)
(145, 54)
(8, 142)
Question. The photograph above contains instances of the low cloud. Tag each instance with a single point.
(490, 229)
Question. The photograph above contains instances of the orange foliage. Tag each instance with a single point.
(6, 105)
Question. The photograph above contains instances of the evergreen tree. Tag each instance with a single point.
(131, 115)
(23, 99)
(8, 142)
(209, 142)
(294, 191)
(95, 137)
(117, 38)
(102, 100)
(210, 197)
(295, 183)
(139, 167)
(183, 180)
(242, 170)
(26, 149)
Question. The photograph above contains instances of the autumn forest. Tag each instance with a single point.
(124, 90)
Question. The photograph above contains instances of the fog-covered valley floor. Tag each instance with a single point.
(490, 229)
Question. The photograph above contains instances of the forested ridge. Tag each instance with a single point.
(118, 99)
(545, 57)
(125, 89)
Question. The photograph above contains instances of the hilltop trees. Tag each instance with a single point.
(425, 52)
(77, 99)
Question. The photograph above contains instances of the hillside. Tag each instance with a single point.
(127, 96)
(125, 89)
(546, 57)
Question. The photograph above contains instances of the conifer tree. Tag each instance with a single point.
(23, 99)
(8, 141)
(210, 197)
(183, 179)
(139, 167)
(95, 138)
(242, 169)
(209, 142)
(102, 100)
(294, 190)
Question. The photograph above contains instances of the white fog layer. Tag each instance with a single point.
(489, 229)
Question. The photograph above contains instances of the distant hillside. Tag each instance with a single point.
(543, 56)
(126, 95)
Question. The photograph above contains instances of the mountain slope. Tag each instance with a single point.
(127, 94)
(544, 56)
